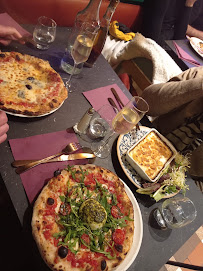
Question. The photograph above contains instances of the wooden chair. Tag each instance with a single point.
(140, 79)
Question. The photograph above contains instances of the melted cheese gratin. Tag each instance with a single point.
(151, 154)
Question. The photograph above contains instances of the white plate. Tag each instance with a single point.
(138, 233)
(27, 116)
(195, 43)
(123, 145)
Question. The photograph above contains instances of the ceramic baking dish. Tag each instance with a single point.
(150, 155)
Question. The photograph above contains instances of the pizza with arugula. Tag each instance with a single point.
(83, 220)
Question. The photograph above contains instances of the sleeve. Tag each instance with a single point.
(196, 10)
(154, 12)
(182, 23)
(165, 97)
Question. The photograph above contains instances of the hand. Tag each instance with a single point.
(7, 34)
(3, 126)
(190, 3)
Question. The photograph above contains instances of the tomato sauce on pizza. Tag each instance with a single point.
(83, 220)
(29, 85)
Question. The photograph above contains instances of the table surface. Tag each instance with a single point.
(157, 245)
(185, 45)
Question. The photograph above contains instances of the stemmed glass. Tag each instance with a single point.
(82, 47)
(44, 32)
(120, 123)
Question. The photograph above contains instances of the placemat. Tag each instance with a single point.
(98, 97)
(37, 147)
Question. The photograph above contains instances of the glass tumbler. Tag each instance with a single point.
(175, 212)
(44, 32)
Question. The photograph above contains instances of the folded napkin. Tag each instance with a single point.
(98, 97)
(7, 20)
(184, 55)
(37, 147)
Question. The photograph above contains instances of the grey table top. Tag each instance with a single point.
(185, 45)
(157, 245)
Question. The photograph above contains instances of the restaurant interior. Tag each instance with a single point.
(36, 137)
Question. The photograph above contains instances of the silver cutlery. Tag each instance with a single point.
(63, 157)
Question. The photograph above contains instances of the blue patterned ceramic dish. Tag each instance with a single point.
(125, 142)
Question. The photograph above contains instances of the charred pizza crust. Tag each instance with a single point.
(29, 85)
(44, 224)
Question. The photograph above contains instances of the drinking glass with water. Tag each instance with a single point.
(175, 212)
(45, 32)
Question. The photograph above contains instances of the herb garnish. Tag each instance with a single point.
(73, 227)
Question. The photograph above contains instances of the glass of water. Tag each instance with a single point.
(175, 212)
(44, 32)
(100, 123)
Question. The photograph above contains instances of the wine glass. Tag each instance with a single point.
(175, 213)
(82, 47)
(44, 32)
(120, 123)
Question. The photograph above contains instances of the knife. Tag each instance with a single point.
(28, 39)
(115, 94)
(63, 157)
(113, 104)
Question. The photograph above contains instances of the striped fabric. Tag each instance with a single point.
(189, 136)
(187, 139)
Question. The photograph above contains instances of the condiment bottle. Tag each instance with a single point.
(102, 34)
(88, 15)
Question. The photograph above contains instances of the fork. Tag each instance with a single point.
(70, 148)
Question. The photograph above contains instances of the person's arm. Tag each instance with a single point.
(183, 20)
(7, 34)
(193, 32)
(165, 97)
(3, 126)
(154, 12)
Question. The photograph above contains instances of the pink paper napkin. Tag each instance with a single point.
(7, 20)
(184, 55)
(40, 146)
(98, 97)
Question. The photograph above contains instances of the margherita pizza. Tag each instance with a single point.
(29, 85)
(83, 220)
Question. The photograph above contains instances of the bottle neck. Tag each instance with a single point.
(110, 11)
(94, 5)
(90, 13)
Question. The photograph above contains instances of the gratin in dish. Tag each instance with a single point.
(150, 155)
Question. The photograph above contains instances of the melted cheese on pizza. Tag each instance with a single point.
(29, 83)
(151, 154)
(68, 212)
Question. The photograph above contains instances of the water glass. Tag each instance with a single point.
(44, 32)
(175, 213)
(100, 123)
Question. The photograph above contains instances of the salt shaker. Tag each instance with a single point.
(81, 127)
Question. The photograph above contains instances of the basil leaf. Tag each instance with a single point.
(62, 198)
(59, 234)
